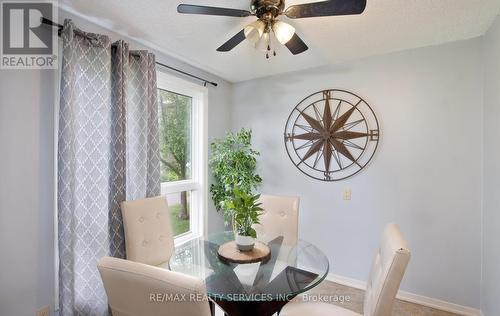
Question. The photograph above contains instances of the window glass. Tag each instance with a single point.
(182, 127)
(179, 206)
(175, 135)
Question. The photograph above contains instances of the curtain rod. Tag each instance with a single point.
(205, 81)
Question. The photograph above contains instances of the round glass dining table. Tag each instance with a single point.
(254, 288)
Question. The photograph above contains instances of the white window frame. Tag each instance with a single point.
(198, 184)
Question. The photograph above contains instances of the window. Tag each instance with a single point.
(183, 154)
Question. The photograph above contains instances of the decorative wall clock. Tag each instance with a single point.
(331, 135)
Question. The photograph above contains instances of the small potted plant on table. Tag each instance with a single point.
(245, 212)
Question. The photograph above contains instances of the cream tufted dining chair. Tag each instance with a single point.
(280, 217)
(136, 289)
(387, 271)
(148, 234)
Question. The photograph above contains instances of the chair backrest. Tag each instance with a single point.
(137, 289)
(279, 218)
(387, 271)
(148, 234)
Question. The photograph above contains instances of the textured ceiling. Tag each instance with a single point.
(385, 26)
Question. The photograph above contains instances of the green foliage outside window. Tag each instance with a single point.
(175, 141)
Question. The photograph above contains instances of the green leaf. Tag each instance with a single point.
(252, 233)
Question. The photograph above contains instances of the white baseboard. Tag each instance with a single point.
(357, 284)
(412, 298)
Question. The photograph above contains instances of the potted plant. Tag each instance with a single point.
(245, 211)
(233, 163)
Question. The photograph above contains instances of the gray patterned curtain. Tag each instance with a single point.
(108, 151)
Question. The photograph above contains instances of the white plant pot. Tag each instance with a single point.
(244, 243)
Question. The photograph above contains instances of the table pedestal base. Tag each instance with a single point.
(251, 308)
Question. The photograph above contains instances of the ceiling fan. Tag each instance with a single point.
(259, 32)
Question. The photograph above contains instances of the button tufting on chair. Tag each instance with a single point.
(148, 233)
(280, 218)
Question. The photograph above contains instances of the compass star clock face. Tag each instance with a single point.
(331, 135)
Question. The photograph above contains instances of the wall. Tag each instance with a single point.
(490, 305)
(26, 191)
(27, 98)
(425, 176)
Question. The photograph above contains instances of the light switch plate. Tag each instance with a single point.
(347, 194)
(44, 311)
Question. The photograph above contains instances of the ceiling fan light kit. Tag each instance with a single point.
(258, 33)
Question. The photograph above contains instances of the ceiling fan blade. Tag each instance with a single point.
(296, 45)
(232, 42)
(326, 8)
(199, 9)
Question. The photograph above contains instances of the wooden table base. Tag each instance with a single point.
(251, 308)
